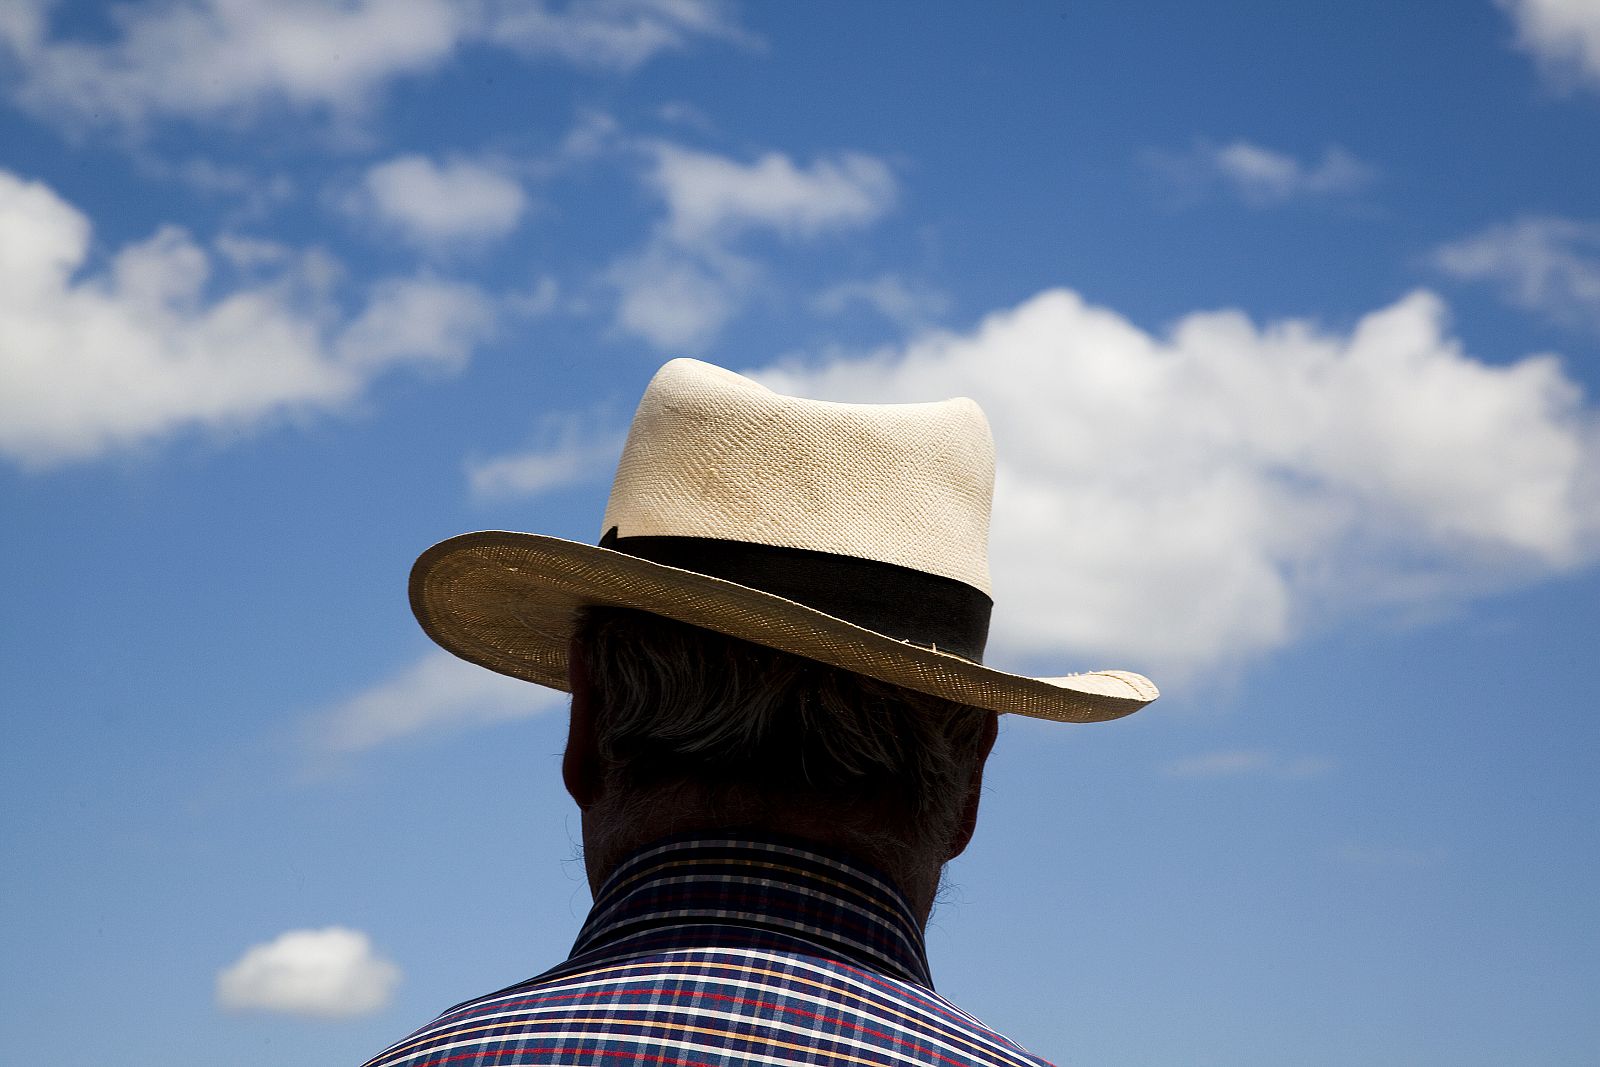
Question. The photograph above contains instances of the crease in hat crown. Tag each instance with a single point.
(716, 455)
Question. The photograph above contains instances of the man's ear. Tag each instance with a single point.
(580, 764)
(969, 811)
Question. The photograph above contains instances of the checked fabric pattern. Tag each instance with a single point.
(722, 953)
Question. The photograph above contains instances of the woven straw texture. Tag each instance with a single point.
(713, 454)
(506, 601)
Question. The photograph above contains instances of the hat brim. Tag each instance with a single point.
(508, 601)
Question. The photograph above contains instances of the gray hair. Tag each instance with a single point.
(755, 729)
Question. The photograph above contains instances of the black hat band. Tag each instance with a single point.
(909, 605)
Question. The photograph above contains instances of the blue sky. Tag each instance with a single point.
(1287, 319)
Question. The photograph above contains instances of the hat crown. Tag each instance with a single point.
(713, 454)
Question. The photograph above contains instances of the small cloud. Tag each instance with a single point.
(902, 303)
(433, 203)
(539, 299)
(418, 320)
(332, 973)
(437, 693)
(1260, 176)
(1562, 35)
(679, 300)
(614, 35)
(682, 287)
(522, 474)
(1248, 763)
(712, 197)
(679, 113)
(529, 473)
(592, 134)
(253, 253)
(1546, 265)
(252, 195)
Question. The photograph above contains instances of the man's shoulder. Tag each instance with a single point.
(708, 1005)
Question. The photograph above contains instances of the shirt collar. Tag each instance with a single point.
(737, 890)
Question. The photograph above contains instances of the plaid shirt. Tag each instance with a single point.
(722, 953)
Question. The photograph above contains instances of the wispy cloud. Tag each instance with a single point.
(1547, 265)
(441, 203)
(679, 299)
(331, 973)
(614, 35)
(436, 693)
(711, 197)
(682, 113)
(208, 59)
(907, 305)
(574, 459)
(1260, 176)
(1256, 763)
(252, 195)
(679, 290)
(542, 297)
(1185, 500)
(418, 320)
(163, 339)
(1562, 35)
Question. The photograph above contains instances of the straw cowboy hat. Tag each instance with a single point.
(852, 534)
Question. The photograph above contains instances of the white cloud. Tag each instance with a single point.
(416, 320)
(679, 299)
(1549, 265)
(432, 203)
(250, 195)
(615, 34)
(530, 473)
(1181, 501)
(1564, 35)
(247, 253)
(575, 459)
(681, 113)
(686, 283)
(593, 134)
(709, 196)
(199, 58)
(104, 359)
(22, 22)
(1259, 176)
(902, 303)
(229, 58)
(437, 692)
(1248, 763)
(332, 973)
(540, 298)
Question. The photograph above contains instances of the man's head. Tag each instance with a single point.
(850, 538)
(678, 728)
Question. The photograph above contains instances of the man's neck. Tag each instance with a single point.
(612, 831)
